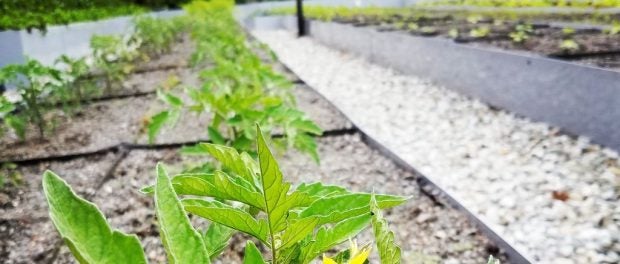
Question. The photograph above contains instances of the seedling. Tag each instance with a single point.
(115, 56)
(480, 32)
(34, 83)
(9, 175)
(80, 86)
(296, 225)
(569, 45)
(522, 33)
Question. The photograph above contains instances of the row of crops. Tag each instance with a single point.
(589, 37)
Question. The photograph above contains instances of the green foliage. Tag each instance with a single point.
(84, 228)
(288, 219)
(157, 35)
(480, 32)
(522, 33)
(569, 45)
(294, 223)
(182, 242)
(29, 14)
(115, 57)
(239, 90)
(9, 175)
(80, 86)
(34, 83)
(252, 254)
(389, 251)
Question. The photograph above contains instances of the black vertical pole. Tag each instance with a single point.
(301, 21)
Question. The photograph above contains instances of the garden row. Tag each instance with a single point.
(230, 90)
(573, 38)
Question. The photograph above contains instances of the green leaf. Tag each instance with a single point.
(229, 216)
(219, 185)
(171, 99)
(297, 230)
(156, 123)
(84, 227)
(182, 242)
(277, 202)
(215, 136)
(308, 126)
(17, 124)
(216, 238)
(337, 208)
(309, 193)
(328, 237)
(240, 164)
(252, 254)
(388, 250)
(493, 260)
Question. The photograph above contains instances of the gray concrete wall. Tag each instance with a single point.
(72, 39)
(580, 99)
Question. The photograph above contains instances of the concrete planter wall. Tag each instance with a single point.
(580, 99)
(72, 40)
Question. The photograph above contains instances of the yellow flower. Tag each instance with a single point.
(357, 256)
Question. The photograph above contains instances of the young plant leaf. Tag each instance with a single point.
(275, 191)
(341, 207)
(240, 164)
(84, 228)
(252, 254)
(229, 216)
(218, 185)
(156, 123)
(328, 237)
(215, 136)
(182, 242)
(388, 250)
(216, 238)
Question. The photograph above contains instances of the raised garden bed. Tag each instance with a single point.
(543, 89)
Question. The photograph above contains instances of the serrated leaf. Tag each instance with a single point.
(156, 123)
(314, 191)
(275, 191)
(216, 238)
(337, 208)
(297, 230)
(84, 227)
(308, 126)
(182, 242)
(229, 216)
(389, 252)
(219, 185)
(239, 164)
(252, 254)
(328, 237)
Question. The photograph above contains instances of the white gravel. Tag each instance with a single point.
(503, 168)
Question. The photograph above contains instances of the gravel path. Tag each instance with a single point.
(553, 197)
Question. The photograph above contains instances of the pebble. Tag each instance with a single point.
(502, 167)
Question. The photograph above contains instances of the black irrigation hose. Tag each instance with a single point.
(125, 146)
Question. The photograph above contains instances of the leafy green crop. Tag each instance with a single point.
(297, 224)
(115, 56)
(157, 35)
(238, 90)
(34, 83)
